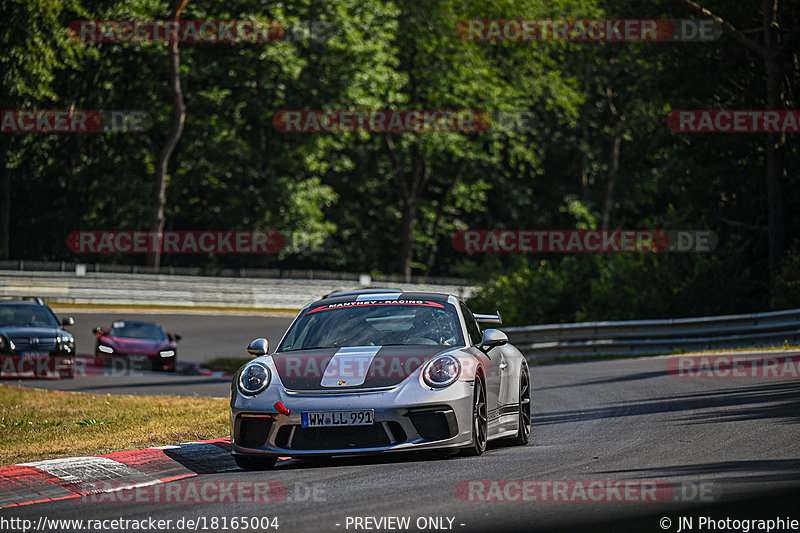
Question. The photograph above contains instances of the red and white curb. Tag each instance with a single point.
(75, 477)
(212, 374)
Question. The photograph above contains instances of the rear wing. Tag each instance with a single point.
(488, 319)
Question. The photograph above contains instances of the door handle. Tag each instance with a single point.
(503, 365)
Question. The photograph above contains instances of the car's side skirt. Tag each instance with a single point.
(503, 421)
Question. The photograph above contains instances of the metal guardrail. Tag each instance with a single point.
(629, 337)
(21, 265)
(643, 337)
(187, 291)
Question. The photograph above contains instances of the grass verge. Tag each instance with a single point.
(37, 424)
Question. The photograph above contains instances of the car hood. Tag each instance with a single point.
(353, 367)
(138, 346)
(30, 331)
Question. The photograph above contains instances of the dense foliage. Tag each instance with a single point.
(390, 203)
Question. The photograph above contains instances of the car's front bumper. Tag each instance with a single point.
(407, 417)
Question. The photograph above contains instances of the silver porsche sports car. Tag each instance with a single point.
(365, 372)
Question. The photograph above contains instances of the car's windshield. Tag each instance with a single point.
(27, 315)
(137, 330)
(375, 323)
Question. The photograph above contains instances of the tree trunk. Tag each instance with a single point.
(443, 203)
(584, 127)
(613, 164)
(410, 184)
(776, 173)
(409, 224)
(613, 170)
(5, 215)
(162, 165)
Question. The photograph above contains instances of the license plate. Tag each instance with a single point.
(34, 354)
(324, 419)
(136, 357)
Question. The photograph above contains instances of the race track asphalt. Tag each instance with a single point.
(728, 447)
(204, 336)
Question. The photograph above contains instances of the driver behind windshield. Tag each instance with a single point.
(426, 328)
(32, 317)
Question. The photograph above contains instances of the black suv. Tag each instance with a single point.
(33, 341)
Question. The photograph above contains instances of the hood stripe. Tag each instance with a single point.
(351, 365)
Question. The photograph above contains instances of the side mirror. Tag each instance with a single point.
(96, 330)
(258, 347)
(177, 337)
(69, 321)
(491, 339)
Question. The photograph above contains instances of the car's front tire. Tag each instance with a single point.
(480, 421)
(250, 462)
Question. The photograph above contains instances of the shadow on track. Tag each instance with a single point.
(777, 400)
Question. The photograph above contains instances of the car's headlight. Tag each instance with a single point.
(105, 349)
(2, 343)
(254, 379)
(441, 371)
(66, 343)
(167, 353)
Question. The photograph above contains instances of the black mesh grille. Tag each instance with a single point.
(339, 438)
(434, 424)
(282, 438)
(253, 432)
(398, 432)
(23, 344)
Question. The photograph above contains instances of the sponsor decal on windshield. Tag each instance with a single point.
(426, 303)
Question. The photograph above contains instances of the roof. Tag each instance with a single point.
(351, 296)
(30, 300)
(353, 292)
(134, 322)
